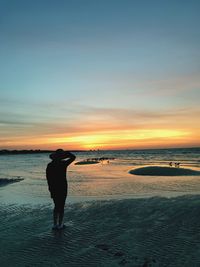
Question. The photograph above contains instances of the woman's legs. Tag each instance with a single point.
(61, 210)
(60, 218)
(58, 212)
(55, 216)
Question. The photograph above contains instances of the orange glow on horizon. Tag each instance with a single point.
(126, 138)
(113, 139)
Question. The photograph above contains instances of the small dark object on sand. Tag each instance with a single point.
(148, 262)
(123, 262)
(119, 254)
(102, 246)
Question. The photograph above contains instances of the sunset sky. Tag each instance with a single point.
(99, 74)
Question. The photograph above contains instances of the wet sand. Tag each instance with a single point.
(138, 232)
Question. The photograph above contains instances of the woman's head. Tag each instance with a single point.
(59, 154)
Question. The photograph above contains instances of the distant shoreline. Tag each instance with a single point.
(38, 151)
(31, 151)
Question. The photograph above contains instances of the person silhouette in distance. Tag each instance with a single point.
(56, 174)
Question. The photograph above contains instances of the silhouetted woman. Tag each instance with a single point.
(57, 181)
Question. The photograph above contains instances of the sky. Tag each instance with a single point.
(99, 74)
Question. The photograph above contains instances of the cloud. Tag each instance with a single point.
(176, 85)
(139, 116)
(143, 84)
(98, 125)
(95, 119)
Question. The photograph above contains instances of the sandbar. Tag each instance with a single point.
(5, 181)
(84, 162)
(163, 171)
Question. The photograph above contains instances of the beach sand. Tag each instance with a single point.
(137, 232)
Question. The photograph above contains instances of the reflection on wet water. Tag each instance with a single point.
(99, 180)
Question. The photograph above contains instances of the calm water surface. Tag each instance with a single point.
(100, 181)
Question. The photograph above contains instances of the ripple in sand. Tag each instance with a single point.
(141, 232)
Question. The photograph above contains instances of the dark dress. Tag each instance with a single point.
(57, 181)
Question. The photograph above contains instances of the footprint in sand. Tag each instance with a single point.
(104, 247)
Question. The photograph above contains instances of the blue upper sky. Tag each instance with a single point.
(64, 61)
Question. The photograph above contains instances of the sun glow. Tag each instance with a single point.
(116, 138)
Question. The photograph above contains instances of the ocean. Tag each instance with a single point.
(106, 180)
